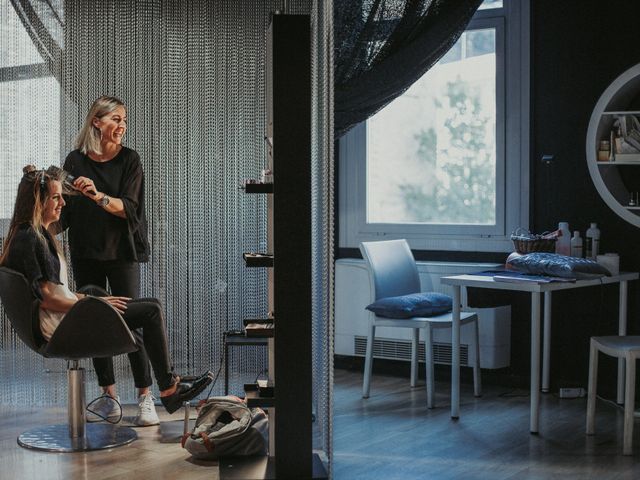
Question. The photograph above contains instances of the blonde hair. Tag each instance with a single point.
(88, 139)
(33, 192)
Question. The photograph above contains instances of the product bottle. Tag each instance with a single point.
(563, 244)
(593, 241)
(576, 245)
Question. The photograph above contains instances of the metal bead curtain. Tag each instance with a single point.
(192, 75)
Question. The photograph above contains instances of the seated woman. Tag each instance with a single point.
(31, 249)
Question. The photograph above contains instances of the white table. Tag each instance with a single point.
(458, 281)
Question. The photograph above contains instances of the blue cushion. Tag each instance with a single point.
(427, 304)
(539, 263)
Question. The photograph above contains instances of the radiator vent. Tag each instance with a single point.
(401, 350)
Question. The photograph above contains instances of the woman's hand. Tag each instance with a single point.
(119, 303)
(86, 186)
(114, 206)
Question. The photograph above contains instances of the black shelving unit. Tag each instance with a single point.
(258, 188)
(258, 260)
(248, 321)
(255, 399)
(289, 281)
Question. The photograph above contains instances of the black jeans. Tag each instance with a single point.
(146, 314)
(124, 281)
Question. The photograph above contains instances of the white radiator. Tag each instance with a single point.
(352, 295)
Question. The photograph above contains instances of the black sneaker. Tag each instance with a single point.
(196, 378)
(186, 391)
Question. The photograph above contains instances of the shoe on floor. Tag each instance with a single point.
(185, 391)
(146, 411)
(105, 407)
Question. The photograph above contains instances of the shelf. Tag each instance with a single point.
(258, 259)
(632, 208)
(258, 188)
(264, 330)
(622, 112)
(244, 340)
(618, 162)
(247, 321)
(614, 185)
(253, 398)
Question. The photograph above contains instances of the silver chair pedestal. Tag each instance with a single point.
(55, 438)
(77, 435)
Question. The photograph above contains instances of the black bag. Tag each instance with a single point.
(227, 427)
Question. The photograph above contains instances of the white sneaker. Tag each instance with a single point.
(146, 411)
(105, 407)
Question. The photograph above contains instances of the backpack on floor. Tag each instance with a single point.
(225, 427)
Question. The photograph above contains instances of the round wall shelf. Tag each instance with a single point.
(617, 180)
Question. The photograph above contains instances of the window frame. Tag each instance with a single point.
(512, 155)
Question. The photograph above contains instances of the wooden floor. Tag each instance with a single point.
(389, 436)
(392, 435)
(146, 458)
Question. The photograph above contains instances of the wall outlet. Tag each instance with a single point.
(572, 392)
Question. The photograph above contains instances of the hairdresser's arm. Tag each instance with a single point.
(58, 303)
(114, 207)
(88, 189)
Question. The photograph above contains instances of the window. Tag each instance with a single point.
(434, 165)
(29, 108)
(431, 154)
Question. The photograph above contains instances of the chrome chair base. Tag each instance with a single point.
(55, 438)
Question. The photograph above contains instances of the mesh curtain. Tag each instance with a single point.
(192, 75)
(322, 233)
(383, 46)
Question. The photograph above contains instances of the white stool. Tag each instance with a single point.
(627, 347)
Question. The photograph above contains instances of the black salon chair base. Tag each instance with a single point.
(91, 329)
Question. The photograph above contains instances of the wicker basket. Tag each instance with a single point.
(525, 242)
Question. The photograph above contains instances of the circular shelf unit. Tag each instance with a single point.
(616, 180)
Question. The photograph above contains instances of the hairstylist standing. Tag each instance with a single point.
(108, 235)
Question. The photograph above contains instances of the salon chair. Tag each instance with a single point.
(92, 328)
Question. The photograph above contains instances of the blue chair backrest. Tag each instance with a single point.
(392, 268)
(22, 308)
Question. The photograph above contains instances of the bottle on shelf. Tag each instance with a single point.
(266, 176)
(604, 151)
(592, 241)
(576, 244)
(563, 244)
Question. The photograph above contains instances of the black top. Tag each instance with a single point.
(95, 234)
(36, 260)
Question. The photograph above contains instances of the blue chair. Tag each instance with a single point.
(393, 272)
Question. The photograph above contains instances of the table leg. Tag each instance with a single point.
(226, 368)
(622, 330)
(535, 362)
(455, 353)
(546, 343)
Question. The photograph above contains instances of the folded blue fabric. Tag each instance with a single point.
(426, 304)
(540, 263)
